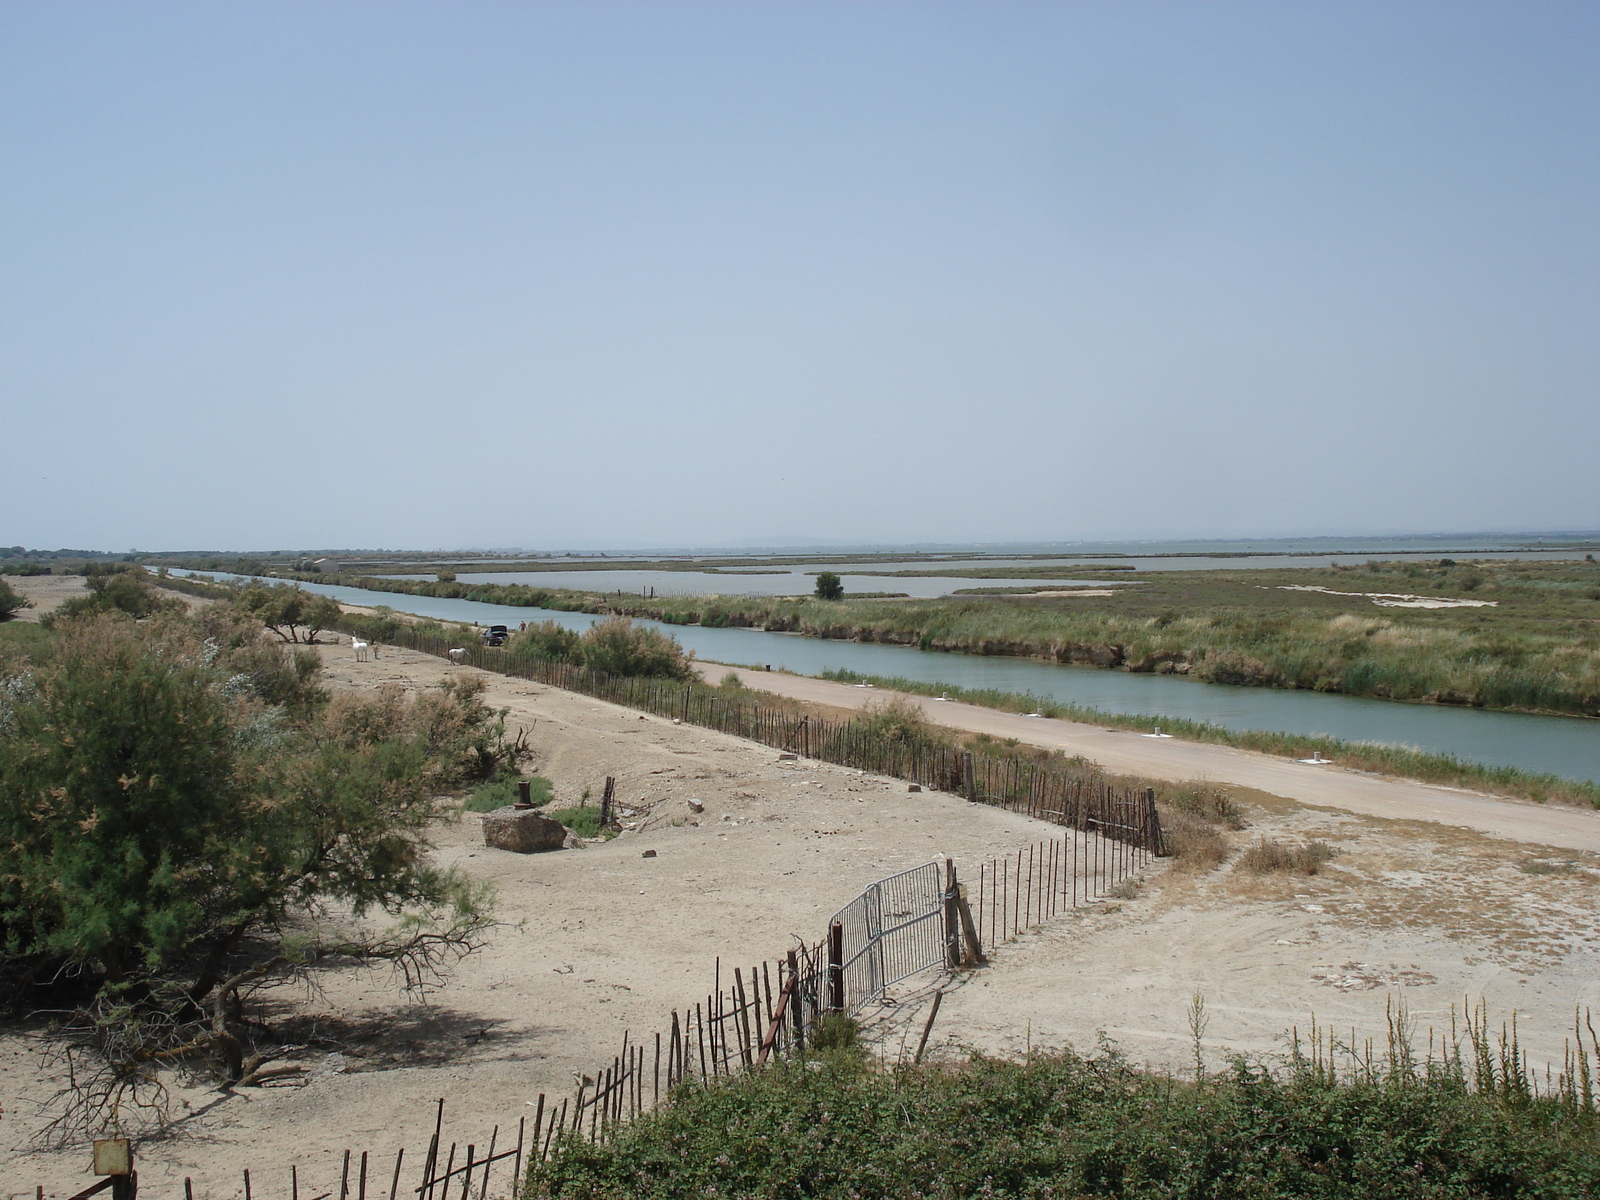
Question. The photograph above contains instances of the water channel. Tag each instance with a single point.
(1565, 746)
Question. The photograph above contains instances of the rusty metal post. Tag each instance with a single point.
(836, 968)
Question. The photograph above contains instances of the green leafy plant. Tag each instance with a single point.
(506, 791)
(835, 1127)
(583, 820)
(116, 588)
(11, 602)
(547, 641)
(170, 839)
(829, 586)
(294, 615)
(616, 646)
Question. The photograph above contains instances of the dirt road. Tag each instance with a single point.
(1130, 753)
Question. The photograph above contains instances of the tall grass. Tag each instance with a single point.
(1401, 761)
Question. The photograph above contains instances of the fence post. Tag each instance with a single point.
(836, 968)
(605, 801)
(973, 954)
(952, 923)
(797, 1021)
(968, 778)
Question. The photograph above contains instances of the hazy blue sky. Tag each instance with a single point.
(588, 274)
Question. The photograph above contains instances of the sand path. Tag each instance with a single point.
(1130, 753)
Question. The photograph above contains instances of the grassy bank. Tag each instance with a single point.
(1443, 769)
(1534, 646)
(1064, 1125)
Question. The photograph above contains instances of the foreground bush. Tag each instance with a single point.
(1067, 1126)
(186, 817)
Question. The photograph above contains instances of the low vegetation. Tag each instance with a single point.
(582, 819)
(614, 646)
(1061, 1124)
(1537, 648)
(113, 587)
(1270, 856)
(507, 790)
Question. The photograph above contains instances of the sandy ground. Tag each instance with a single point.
(45, 591)
(1418, 905)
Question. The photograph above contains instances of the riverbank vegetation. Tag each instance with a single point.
(1509, 634)
(1327, 1122)
(1530, 640)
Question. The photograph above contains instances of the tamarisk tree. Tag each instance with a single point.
(170, 841)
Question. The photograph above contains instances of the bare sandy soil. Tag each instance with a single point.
(599, 939)
(47, 592)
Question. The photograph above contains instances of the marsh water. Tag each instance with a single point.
(786, 581)
(1565, 746)
(676, 575)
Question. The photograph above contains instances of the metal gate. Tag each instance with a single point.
(892, 930)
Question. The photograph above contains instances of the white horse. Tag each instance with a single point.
(458, 655)
(360, 648)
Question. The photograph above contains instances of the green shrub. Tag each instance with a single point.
(584, 820)
(1061, 1125)
(26, 642)
(616, 646)
(505, 791)
(547, 641)
(122, 589)
(835, 1031)
(829, 586)
(11, 602)
(290, 612)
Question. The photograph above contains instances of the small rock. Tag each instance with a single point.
(915, 787)
(696, 807)
(648, 854)
(787, 757)
(334, 1064)
(522, 830)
